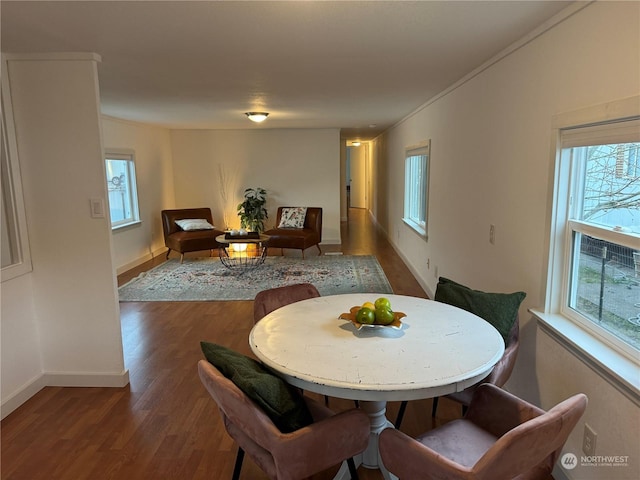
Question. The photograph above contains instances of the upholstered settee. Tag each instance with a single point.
(180, 240)
(298, 238)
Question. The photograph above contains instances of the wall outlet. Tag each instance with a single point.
(492, 234)
(428, 263)
(589, 440)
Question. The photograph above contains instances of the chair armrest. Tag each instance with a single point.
(331, 440)
(410, 459)
(497, 411)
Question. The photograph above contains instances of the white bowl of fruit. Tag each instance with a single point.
(378, 314)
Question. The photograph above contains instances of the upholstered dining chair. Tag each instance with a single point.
(266, 301)
(329, 440)
(499, 309)
(501, 437)
(498, 376)
(271, 299)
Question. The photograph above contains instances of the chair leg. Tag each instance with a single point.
(435, 406)
(319, 251)
(464, 410)
(238, 465)
(403, 407)
(352, 468)
(168, 252)
(181, 257)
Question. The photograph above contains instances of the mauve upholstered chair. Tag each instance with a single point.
(500, 437)
(330, 440)
(269, 300)
(498, 376)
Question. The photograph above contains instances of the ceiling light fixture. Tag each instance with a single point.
(355, 144)
(257, 116)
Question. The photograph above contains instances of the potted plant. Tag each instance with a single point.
(251, 211)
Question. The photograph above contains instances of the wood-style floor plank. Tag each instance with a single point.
(164, 425)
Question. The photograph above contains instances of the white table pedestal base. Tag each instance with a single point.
(370, 458)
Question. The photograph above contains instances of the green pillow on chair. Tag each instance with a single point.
(282, 403)
(499, 309)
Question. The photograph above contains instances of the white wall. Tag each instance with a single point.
(490, 164)
(154, 173)
(296, 167)
(60, 323)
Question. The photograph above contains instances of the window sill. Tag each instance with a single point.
(617, 369)
(124, 226)
(415, 227)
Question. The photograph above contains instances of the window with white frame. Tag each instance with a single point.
(416, 187)
(14, 237)
(598, 223)
(121, 188)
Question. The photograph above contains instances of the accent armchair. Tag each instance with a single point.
(182, 241)
(501, 437)
(298, 238)
(328, 441)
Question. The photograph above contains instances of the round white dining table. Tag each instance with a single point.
(438, 349)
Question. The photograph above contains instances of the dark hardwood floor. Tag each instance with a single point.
(164, 425)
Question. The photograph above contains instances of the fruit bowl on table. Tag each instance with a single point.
(351, 316)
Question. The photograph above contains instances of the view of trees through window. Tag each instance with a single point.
(605, 224)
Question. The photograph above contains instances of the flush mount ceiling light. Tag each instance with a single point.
(355, 144)
(257, 116)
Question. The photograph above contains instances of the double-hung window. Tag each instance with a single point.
(121, 187)
(599, 227)
(416, 187)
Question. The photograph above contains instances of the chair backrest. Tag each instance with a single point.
(169, 218)
(238, 411)
(502, 370)
(286, 456)
(534, 445)
(269, 300)
(313, 219)
(500, 437)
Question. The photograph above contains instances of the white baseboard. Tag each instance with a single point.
(23, 394)
(149, 256)
(80, 379)
(62, 379)
(405, 260)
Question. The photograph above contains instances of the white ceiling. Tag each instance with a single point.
(311, 64)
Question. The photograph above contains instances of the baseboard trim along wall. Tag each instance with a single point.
(23, 394)
(62, 379)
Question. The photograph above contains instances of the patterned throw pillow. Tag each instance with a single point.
(188, 224)
(293, 217)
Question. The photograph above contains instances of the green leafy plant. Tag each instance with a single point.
(251, 211)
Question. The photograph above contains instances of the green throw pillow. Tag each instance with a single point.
(280, 401)
(499, 309)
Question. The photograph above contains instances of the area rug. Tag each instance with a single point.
(206, 279)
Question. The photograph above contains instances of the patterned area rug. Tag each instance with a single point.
(206, 279)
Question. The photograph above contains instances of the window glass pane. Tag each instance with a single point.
(609, 186)
(121, 188)
(604, 286)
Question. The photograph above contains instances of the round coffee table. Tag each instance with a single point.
(242, 252)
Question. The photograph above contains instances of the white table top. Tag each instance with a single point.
(440, 349)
